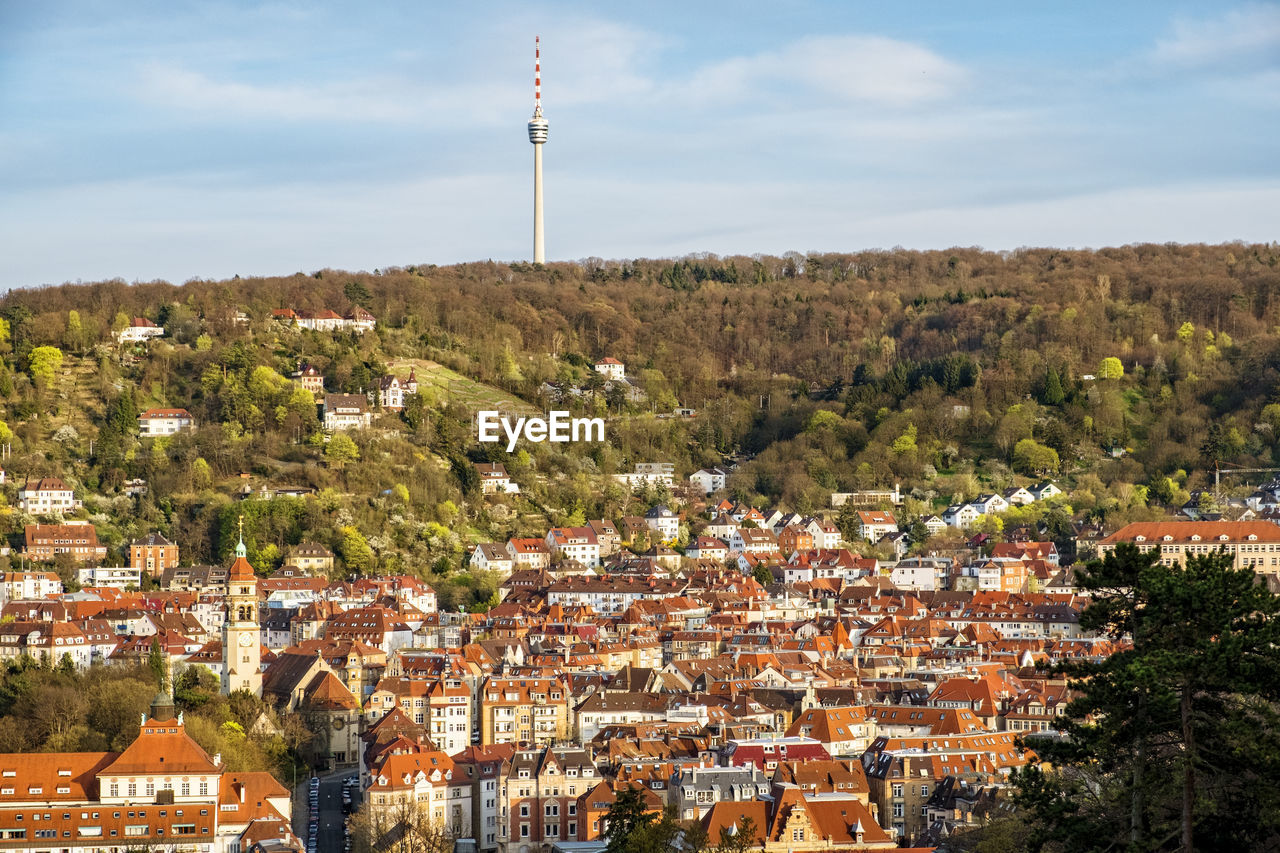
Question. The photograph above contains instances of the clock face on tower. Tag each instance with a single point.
(246, 640)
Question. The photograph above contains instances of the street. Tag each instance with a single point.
(329, 835)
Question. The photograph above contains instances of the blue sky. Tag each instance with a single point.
(173, 140)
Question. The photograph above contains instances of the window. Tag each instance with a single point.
(797, 834)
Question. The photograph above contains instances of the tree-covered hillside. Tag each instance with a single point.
(1125, 372)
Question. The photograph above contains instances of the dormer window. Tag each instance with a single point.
(1195, 537)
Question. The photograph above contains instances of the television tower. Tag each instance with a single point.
(538, 136)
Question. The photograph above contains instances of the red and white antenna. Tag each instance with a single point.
(537, 73)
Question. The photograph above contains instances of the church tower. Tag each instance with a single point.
(241, 637)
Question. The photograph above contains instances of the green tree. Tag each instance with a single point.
(341, 449)
(762, 574)
(630, 827)
(355, 550)
(905, 443)
(1170, 741)
(357, 294)
(1032, 457)
(158, 663)
(201, 474)
(43, 364)
(74, 338)
(1111, 368)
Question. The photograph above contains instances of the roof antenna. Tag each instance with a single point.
(537, 75)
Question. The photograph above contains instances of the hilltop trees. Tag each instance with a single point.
(949, 372)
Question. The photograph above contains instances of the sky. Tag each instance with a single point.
(196, 140)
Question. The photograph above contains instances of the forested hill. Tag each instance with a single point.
(946, 371)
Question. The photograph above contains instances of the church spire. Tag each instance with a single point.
(241, 552)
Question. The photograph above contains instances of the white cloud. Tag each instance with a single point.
(1244, 36)
(844, 68)
(193, 91)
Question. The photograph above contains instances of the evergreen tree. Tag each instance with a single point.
(1053, 394)
(1171, 742)
(626, 819)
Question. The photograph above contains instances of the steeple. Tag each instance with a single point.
(241, 631)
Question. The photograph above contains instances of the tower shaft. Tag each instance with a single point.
(539, 247)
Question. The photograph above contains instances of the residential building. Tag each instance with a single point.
(874, 524)
(47, 541)
(523, 710)
(415, 777)
(492, 557)
(961, 515)
(607, 536)
(649, 474)
(346, 411)
(695, 790)
(708, 480)
(391, 393)
(114, 577)
(16, 586)
(152, 554)
(310, 378)
(529, 553)
(574, 543)
(664, 522)
(310, 557)
(494, 479)
(753, 541)
(157, 423)
(539, 797)
(1251, 544)
(140, 330)
(611, 368)
(47, 496)
(841, 730)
